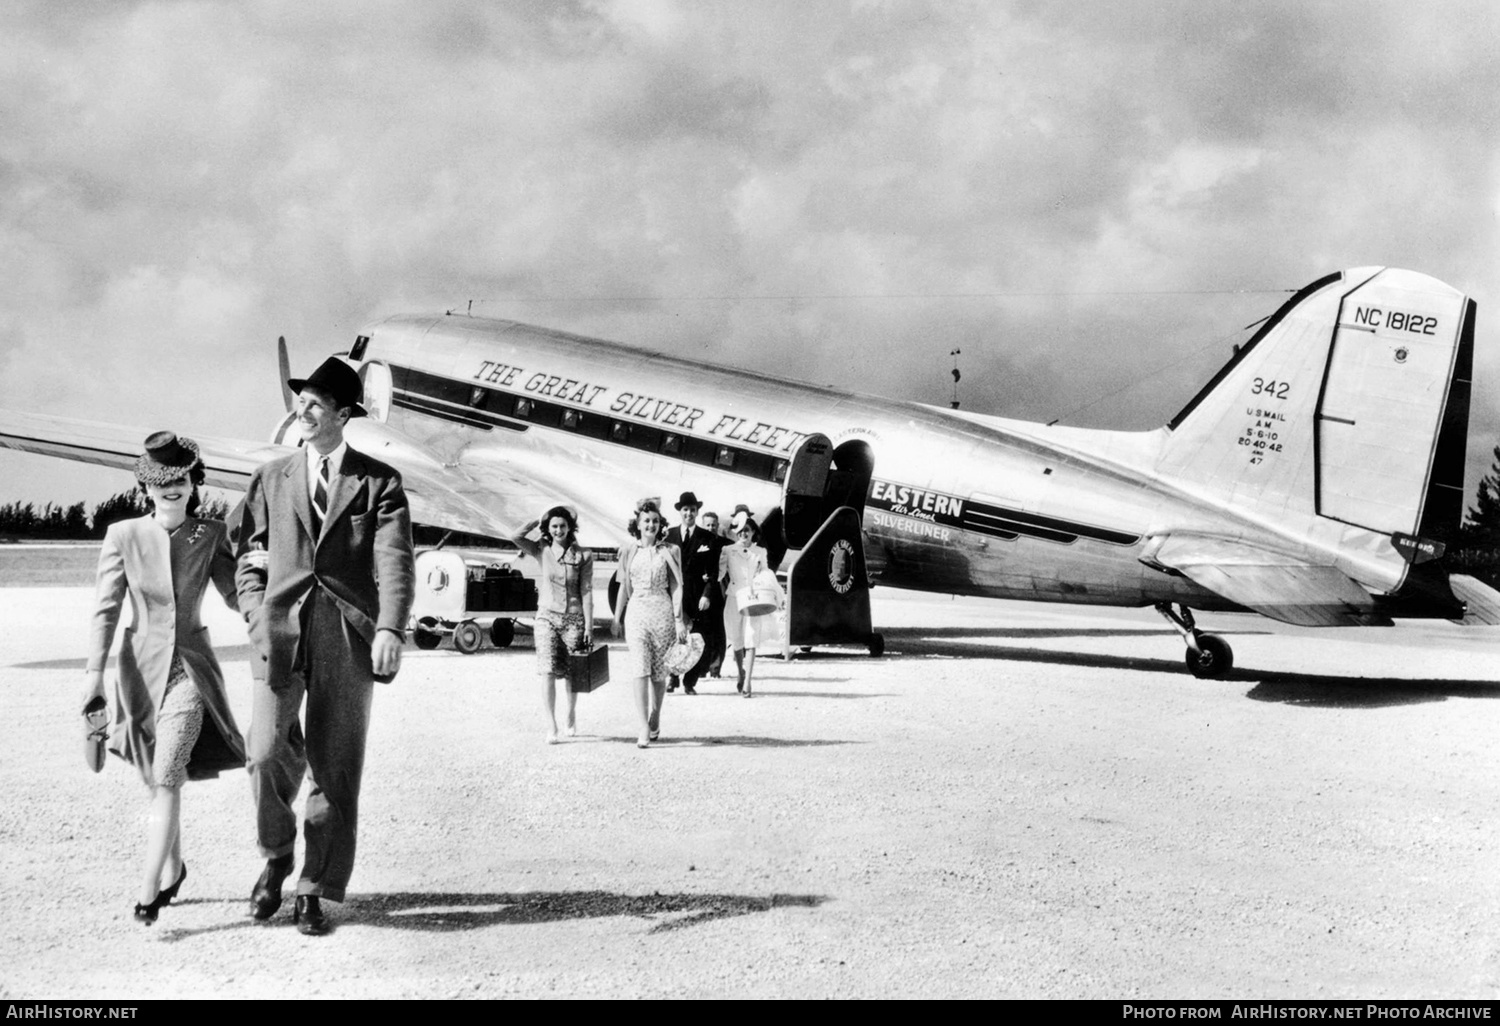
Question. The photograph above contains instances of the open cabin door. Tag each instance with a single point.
(828, 583)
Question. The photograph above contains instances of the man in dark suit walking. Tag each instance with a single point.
(702, 595)
(327, 608)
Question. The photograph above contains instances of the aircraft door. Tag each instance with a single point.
(803, 507)
(821, 478)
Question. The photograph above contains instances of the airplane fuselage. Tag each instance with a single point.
(958, 503)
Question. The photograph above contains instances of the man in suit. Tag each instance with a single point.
(327, 608)
(702, 596)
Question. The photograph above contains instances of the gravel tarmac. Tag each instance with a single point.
(1017, 800)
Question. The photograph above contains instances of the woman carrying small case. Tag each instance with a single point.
(565, 606)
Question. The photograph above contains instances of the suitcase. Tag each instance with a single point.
(589, 671)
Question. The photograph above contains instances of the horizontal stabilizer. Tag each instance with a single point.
(1271, 583)
(1482, 603)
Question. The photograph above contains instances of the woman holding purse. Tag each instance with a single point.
(648, 612)
(739, 564)
(171, 715)
(565, 606)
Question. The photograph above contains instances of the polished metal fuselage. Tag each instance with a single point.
(960, 503)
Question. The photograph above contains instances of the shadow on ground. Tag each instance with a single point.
(1314, 690)
(737, 741)
(1323, 692)
(440, 912)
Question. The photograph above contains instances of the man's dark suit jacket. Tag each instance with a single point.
(362, 557)
(700, 569)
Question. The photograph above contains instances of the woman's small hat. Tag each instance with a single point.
(740, 519)
(683, 656)
(167, 458)
(339, 380)
(687, 499)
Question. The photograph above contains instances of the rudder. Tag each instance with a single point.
(1350, 403)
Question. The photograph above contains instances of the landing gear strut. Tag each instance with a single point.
(1208, 655)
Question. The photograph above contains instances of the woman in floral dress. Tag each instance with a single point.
(649, 614)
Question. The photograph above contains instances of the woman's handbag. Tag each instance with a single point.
(588, 670)
(95, 732)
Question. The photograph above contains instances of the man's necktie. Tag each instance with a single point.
(320, 495)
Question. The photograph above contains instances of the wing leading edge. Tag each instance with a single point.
(496, 503)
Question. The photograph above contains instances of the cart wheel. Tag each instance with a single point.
(614, 590)
(503, 632)
(426, 639)
(467, 638)
(877, 644)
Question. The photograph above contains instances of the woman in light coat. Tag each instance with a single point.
(739, 564)
(171, 715)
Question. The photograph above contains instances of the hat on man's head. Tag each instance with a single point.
(338, 380)
(167, 458)
(687, 499)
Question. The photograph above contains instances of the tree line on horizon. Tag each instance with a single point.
(25, 521)
(1475, 551)
(52, 522)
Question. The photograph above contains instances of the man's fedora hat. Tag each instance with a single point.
(338, 380)
(167, 458)
(687, 499)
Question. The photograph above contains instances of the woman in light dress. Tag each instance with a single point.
(740, 563)
(648, 612)
(565, 607)
(171, 715)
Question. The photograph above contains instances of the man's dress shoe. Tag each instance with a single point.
(265, 899)
(309, 917)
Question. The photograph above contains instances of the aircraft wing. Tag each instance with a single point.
(1271, 583)
(228, 462)
(489, 499)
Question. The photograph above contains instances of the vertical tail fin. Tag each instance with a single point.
(1350, 403)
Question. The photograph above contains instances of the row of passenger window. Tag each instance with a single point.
(499, 403)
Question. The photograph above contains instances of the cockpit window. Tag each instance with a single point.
(377, 379)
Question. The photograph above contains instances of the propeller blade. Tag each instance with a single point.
(284, 368)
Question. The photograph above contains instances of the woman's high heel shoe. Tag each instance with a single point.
(146, 914)
(168, 894)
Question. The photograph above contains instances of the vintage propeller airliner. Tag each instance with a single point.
(1314, 479)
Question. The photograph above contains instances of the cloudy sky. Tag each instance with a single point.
(1090, 199)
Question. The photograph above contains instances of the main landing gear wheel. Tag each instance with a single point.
(1213, 658)
(503, 632)
(467, 638)
(877, 645)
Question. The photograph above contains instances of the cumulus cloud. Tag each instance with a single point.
(1090, 199)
